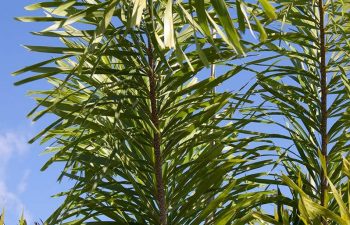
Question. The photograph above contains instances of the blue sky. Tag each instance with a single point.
(22, 185)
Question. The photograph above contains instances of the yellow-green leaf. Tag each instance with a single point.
(169, 40)
(139, 6)
(269, 9)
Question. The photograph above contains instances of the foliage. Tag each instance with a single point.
(140, 129)
(306, 88)
(149, 138)
(21, 221)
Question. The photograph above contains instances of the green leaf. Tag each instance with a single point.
(261, 29)
(2, 217)
(226, 22)
(169, 38)
(202, 17)
(138, 8)
(269, 9)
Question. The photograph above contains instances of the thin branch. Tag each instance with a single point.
(324, 113)
(157, 138)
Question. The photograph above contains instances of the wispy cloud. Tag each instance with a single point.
(23, 183)
(12, 203)
(13, 145)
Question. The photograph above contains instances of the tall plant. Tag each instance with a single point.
(139, 129)
(306, 86)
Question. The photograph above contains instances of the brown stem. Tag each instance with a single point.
(212, 215)
(324, 113)
(156, 139)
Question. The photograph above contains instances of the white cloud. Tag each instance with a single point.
(12, 203)
(12, 145)
(23, 183)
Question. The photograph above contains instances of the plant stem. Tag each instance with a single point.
(156, 139)
(324, 113)
(210, 218)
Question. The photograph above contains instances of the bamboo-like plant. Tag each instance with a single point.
(21, 221)
(306, 86)
(146, 138)
(139, 128)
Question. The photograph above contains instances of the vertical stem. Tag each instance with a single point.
(210, 218)
(324, 92)
(158, 158)
(157, 138)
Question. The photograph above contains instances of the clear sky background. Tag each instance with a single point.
(22, 186)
